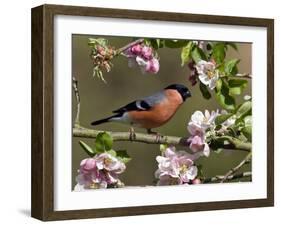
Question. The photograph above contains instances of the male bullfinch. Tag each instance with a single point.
(152, 111)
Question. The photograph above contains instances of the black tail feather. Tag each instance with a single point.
(101, 121)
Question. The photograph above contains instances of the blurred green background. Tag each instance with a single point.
(126, 84)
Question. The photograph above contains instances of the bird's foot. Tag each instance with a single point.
(158, 135)
(132, 134)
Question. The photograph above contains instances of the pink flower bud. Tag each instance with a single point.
(152, 66)
(196, 181)
(136, 49)
(146, 52)
(196, 143)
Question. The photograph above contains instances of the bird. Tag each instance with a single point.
(152, 111)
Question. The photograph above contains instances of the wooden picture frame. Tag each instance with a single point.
(43, 112)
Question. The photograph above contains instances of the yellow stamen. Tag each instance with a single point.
(210, 74)
(107, 161)
(94, 186)
(183, 169)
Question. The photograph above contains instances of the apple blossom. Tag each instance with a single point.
(200, 122)
(100, 171)
(175, 167)
(197, 127)
(142, 56)
(207, 73)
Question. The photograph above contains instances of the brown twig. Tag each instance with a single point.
(245, 75)
(76, 92)
(122, 49)
(236, 168)
(234, 143)
(229, 178)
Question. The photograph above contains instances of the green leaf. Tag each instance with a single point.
(235, 91)
(219, 85)
(218, 127)
(248, 120)
(103, 142)
(163, 147)
(92, 42)
(160, 43)
(87, 148)
(224, 99)
(176, 43)
(123, 156)
(220, 67)
(155, 43)
(222, 118)
(230, 67)
(204, 90)
(209, 46)
(198, 54)
(219, 52)
(237, 82)
(185, 53)
(236, 86)
(216, 144)
(112, 152)
(244, 110)
(247, 132)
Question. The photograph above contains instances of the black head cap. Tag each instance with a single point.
(183, 90)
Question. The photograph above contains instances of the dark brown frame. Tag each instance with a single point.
(42, 111)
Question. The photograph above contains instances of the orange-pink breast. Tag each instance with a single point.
(158, 114)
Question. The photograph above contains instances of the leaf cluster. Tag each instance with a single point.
(104, 144)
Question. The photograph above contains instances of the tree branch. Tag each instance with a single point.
(126, 136)
(236, 168)
(76, 92)
(79, 131)
(245, 75)
(234, 143)
(229, 178)
(122, 49)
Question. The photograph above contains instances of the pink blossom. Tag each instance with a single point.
(109, 163)
(200, 122)
(152, 66)
(142, 56)
(99, 171)
(208, 74)
(146, 52)
(197, 127)
(196, 181)
(175, 167)
(198, 144)
(136, 49)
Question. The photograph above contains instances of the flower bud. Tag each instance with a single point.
(136, 49)
(152, 66)
(146, 52)
(196, 181)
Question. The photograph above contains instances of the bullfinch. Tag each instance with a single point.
(152, 111)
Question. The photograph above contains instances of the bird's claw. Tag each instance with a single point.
(158, 135)
(132, 134)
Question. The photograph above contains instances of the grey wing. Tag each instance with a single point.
(154, 99)
(142, 105)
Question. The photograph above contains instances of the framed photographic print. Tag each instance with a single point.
(140, 112)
